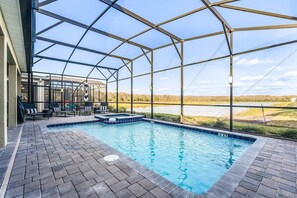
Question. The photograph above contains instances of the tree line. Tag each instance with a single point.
(125, 97)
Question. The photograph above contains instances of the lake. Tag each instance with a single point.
(206, 111)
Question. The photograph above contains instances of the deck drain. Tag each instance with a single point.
(110, 158)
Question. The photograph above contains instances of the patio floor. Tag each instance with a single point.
(70, 164)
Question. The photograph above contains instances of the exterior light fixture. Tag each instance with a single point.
(62, 90)
(230, 79)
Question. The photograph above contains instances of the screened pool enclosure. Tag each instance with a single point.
(195, 61)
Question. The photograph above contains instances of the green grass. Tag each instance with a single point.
(252, 128)
(164, 117)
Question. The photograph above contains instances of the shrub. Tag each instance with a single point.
(253, 129)
(220, 124)
(122, 109)
(111, 108)
(289, 133)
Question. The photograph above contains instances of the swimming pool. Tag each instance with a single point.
(190, 159)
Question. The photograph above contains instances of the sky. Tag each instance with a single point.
(269, 72)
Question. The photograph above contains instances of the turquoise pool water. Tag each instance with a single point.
(190, 159)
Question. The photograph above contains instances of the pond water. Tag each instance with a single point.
(207, 111)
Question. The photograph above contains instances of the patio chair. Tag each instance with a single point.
(57, 110)
(87, 108)
(30, 110)
(103, 108)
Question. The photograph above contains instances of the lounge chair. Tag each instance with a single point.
(57, 110)
(30, 110)
(87, 108)
(103, 108)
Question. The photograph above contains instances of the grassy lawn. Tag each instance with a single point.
(240, 126)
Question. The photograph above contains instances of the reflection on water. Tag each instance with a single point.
(183, 175)
(152, 147)
(230, 160)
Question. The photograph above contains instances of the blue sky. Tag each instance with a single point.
(204, 79)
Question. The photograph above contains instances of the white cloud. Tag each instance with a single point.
(250, 78)
(163, 89)
(135, 90)
(254, 61)
(259, 88)
(290, 74)
(278, 84)
(164, 78)
(238, 84)
(205, 81)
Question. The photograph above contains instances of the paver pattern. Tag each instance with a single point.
(6, 153)
(70, 164)
(273, 173)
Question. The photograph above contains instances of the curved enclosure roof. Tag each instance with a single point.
(84, 38)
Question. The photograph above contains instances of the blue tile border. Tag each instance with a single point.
(203, 130)
(122, 119)
(71, 123)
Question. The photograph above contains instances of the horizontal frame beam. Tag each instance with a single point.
(282, 16)
(76, 23)
(66, 75)
(210, 105)
(74, 62)
(214, 59)
(81, 48)
(139, 18)
(46, 2)
(269, 27)
(48, 28)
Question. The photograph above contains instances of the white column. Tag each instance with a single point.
(40, 94)
(12, 95)
(3, 92)
(19, 86)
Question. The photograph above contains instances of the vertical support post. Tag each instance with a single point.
(117, 93)
(231, 83)
(50, 90)
(106, 90)
(93, 85)
(152, 84)
(19, 85)
(99, 93)
(182, 81)
(3, 92)
(131, 97)
(12, 95)
(77, 100)
(61, 92)
(32, 87)
(72, 97)
(29, 87)
(40, 95)
(64, 95)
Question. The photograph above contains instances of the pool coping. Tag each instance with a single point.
(224, 187)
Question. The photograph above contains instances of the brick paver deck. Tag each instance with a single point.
(70, 164)
(6, 153)
(273, 173)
